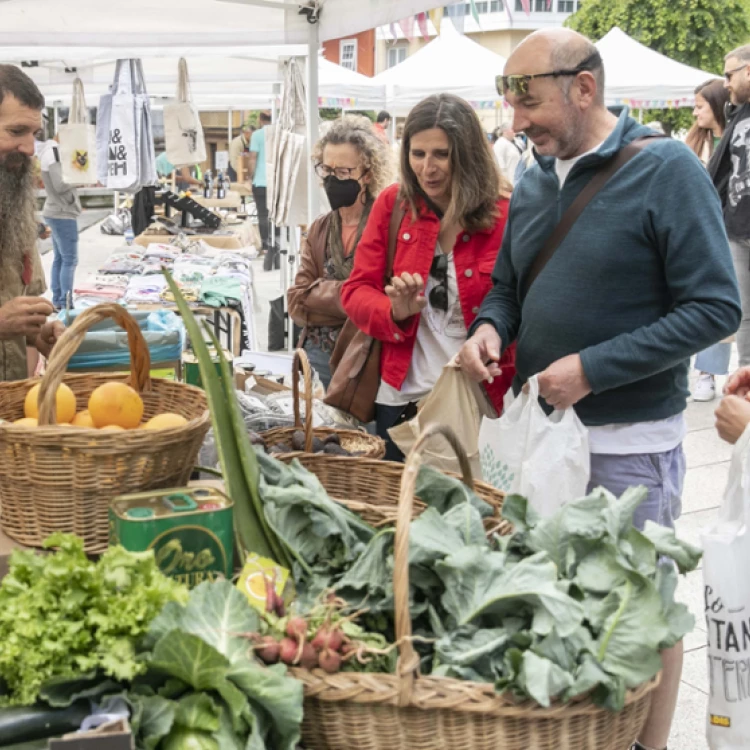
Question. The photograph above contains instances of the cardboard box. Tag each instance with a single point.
(222, 241)
(115, 735)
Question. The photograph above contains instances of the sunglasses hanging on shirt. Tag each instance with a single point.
(438, 297)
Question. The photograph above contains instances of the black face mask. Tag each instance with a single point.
(341, 193)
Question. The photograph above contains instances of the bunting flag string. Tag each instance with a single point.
(422, 25)
(526, 5)
(436, 16)
(407, 27)
(456, 12)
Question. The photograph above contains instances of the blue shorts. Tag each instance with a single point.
(662, 473)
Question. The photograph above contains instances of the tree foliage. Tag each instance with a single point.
(695, 32)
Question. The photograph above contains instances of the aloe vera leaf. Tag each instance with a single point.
(250, 536)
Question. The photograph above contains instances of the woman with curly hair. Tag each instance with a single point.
(451, 207)
(354, 166)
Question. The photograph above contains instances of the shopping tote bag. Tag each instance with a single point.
(123, 160)
(457, 401)
(726, 562)
(544, 458)
(78, 142)
(147, 175)
(183, 132)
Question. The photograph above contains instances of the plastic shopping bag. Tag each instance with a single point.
(545, 458)
(456, 401)
(78, 142)
(726, 560)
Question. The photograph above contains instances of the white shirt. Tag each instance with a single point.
(439, 337)
(507, 155)
(634, 437)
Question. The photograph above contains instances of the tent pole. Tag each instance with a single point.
(229, 128)
(313, 128)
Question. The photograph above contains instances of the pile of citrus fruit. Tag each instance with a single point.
(111, 406)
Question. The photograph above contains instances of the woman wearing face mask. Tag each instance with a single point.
(455, 205)
(711, 99)
(354, 166)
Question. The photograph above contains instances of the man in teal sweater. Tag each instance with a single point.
(643, 280)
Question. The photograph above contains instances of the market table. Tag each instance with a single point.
(232, 200)
(242, 234)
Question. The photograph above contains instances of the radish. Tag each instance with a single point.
(269, 651)
(296, 628)
(288, 651)
(330, 661)
(325, 638)
(309, 658)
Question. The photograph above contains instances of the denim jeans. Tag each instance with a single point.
(320, 362)
(65, 247)
(715, 359)
(741, 258)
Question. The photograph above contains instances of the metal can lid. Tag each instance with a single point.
(140, 513)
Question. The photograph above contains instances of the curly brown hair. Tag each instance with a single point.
(477, 183)
(356, 130)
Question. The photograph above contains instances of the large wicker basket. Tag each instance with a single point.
(407, 711)
(354, 441)
(60, 478)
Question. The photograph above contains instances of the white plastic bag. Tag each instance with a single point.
(78, 142)
(726, 562)
(183, 132)
(546, 459)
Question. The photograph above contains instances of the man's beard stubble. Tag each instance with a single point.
(18, 223)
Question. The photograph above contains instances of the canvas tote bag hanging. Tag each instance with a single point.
(78, 142)
(123, 160)
(183, 132)
(147, 175)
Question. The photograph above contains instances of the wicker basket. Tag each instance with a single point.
(354, 441)
(409, 712)
(59, 478)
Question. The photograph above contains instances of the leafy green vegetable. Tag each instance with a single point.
(63, 616)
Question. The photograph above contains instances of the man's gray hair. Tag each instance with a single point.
(568, 56)
(741, 53)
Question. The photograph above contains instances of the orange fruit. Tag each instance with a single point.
(114, 427)
(83, 419)
(115, 404)
(64, 398)
(27, 422)
(163, 421)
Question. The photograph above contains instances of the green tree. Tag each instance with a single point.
(695, 32)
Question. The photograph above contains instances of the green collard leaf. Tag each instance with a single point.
(637, 553)
(518, 510)
(369, 581)
(679, 619)
(542, 679)
(466, 520)
(152, 719)
(443, 492)
(619, 512)
(472, 648)
(685, 555)
(601, 571)
(198, 711)
(61, 692)
(432, 538)
(587, 676)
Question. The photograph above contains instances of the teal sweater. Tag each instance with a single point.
(642, 281)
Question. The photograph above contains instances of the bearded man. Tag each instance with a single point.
(23, 312)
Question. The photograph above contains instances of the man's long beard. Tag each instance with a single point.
(18, 224)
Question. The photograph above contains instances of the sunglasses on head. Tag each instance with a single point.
(518, 85)
(439, 294)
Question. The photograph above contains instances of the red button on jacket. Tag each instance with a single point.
(365, 301)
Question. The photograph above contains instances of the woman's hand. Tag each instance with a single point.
(738, 384)
(732, 417)
(406, 293)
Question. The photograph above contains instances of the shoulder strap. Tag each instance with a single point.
(569, 218)
(397, 216)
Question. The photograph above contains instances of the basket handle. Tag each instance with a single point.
(301, 361)
(408, 662)
(66, 347)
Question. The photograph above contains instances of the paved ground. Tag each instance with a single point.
(708, 463)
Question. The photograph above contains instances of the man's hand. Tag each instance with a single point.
(738, 384)
(44, 232)
(564, 382)
(732, 417)
(479, 356)
(48, 337)
(24, 316)
(406, 293)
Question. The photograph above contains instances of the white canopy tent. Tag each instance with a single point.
(449, 63)
(642, 78)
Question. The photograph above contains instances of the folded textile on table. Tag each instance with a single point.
(99, 291)
(146, 289)
(217, 291)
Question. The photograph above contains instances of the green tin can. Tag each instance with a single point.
(189, 529)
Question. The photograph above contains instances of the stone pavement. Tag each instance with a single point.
(708, 464)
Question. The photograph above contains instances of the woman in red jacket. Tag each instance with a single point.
(456, 205)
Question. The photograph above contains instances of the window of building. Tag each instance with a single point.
(482, 6)
(496, 6)
(542, 6)
(348, 54)
(566, 6)
(396, 55)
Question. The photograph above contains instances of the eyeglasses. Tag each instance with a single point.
(519, 84)
(439, 294)
(729, 73)
(341, 173)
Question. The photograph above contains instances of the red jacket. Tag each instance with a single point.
(365, 302)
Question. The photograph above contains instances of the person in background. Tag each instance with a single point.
(507, 154)
(183, 179)
(62, 208)
(397, 143)
(381, 127)
(23, 310)
(354, 166)
(641, 282)
(257, 175)
(711, 99)
(456, 206)
(239, 146)
(729, 168)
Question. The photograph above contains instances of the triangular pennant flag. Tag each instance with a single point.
(407, 26)
(394, 32)
(506, 3)
(457, 13)
(422, 25)
(436, 16)
(526, 5)
(475, 12)
(549, 4)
